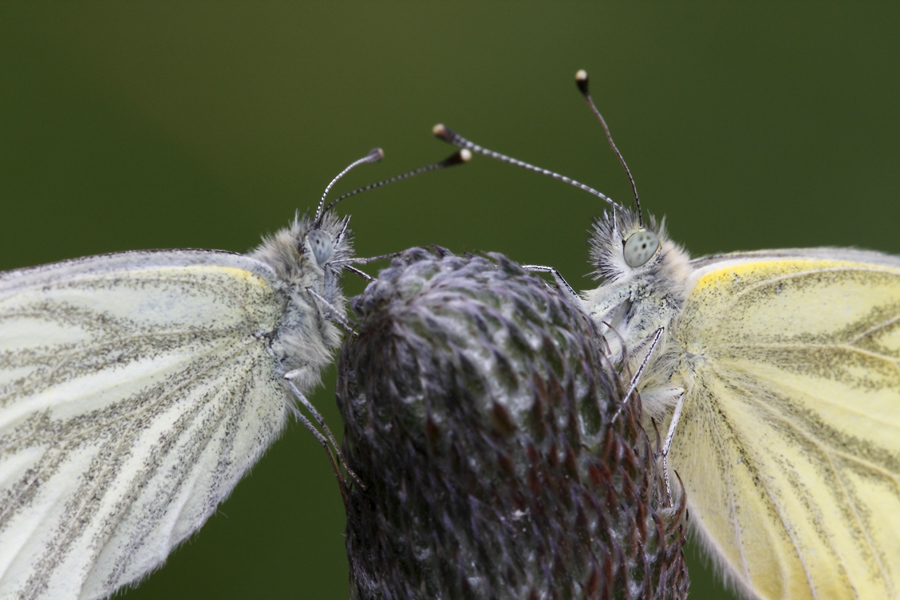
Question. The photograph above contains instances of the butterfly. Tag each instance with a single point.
(776, 377)
(138, 388)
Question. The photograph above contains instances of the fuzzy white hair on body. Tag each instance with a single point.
(301, 256)
(635, 300)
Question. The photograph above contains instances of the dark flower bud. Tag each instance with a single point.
(479, 415)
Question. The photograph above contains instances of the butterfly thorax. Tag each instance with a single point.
(637, 300)
(302, 256)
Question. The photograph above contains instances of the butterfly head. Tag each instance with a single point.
(325, 239)
(645, 283)
(622, 247)
(306, 247)
(320, 245)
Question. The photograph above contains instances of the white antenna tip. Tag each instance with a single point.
(581, 75)
(375, 154)
(443, 132)
(465, 155)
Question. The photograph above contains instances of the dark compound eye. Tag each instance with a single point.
(639, 248)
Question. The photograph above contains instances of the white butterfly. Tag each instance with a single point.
(777, 375)
(136, 389)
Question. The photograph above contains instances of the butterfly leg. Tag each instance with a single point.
(317, 434)
(608, 332)
(562, 283)
(319, 437)
(356, 260)
(346, 263)
(358, 273)
(676, 416)
(333, 313)
(637, 376)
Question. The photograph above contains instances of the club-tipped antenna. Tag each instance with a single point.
(581, 80)
(374, 155)
(451, 137)
(458, 158)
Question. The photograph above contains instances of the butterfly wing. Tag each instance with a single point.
(136, 389)
(789, 443)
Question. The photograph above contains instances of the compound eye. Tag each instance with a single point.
(639, 248)
(322, 246)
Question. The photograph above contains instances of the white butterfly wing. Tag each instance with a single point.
(789, 444)
(136, 389)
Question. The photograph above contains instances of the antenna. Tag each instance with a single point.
(581, 80)
(463, 156)
(448, 135)
(374, 155)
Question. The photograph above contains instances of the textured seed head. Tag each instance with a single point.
(478, 409)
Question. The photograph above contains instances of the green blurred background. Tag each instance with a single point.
(126, 126)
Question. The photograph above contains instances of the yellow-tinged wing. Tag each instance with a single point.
(135, 390)
(789, 443)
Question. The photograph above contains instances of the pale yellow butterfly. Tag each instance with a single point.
(777, 376)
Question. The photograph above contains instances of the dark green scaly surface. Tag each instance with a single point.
(478, 413)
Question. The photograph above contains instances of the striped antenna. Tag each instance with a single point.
(461, 157)
(581, 80)
(374, 155)
(448, 135)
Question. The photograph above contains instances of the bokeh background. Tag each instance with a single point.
(166, 125)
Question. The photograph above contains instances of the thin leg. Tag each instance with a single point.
(637, 376)
(357, 260)
(358, 272)
(613, 331)
(337, 472)
(670, 435)
(321, 420)
(333, 313)
(562, 283)
(345, 263)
